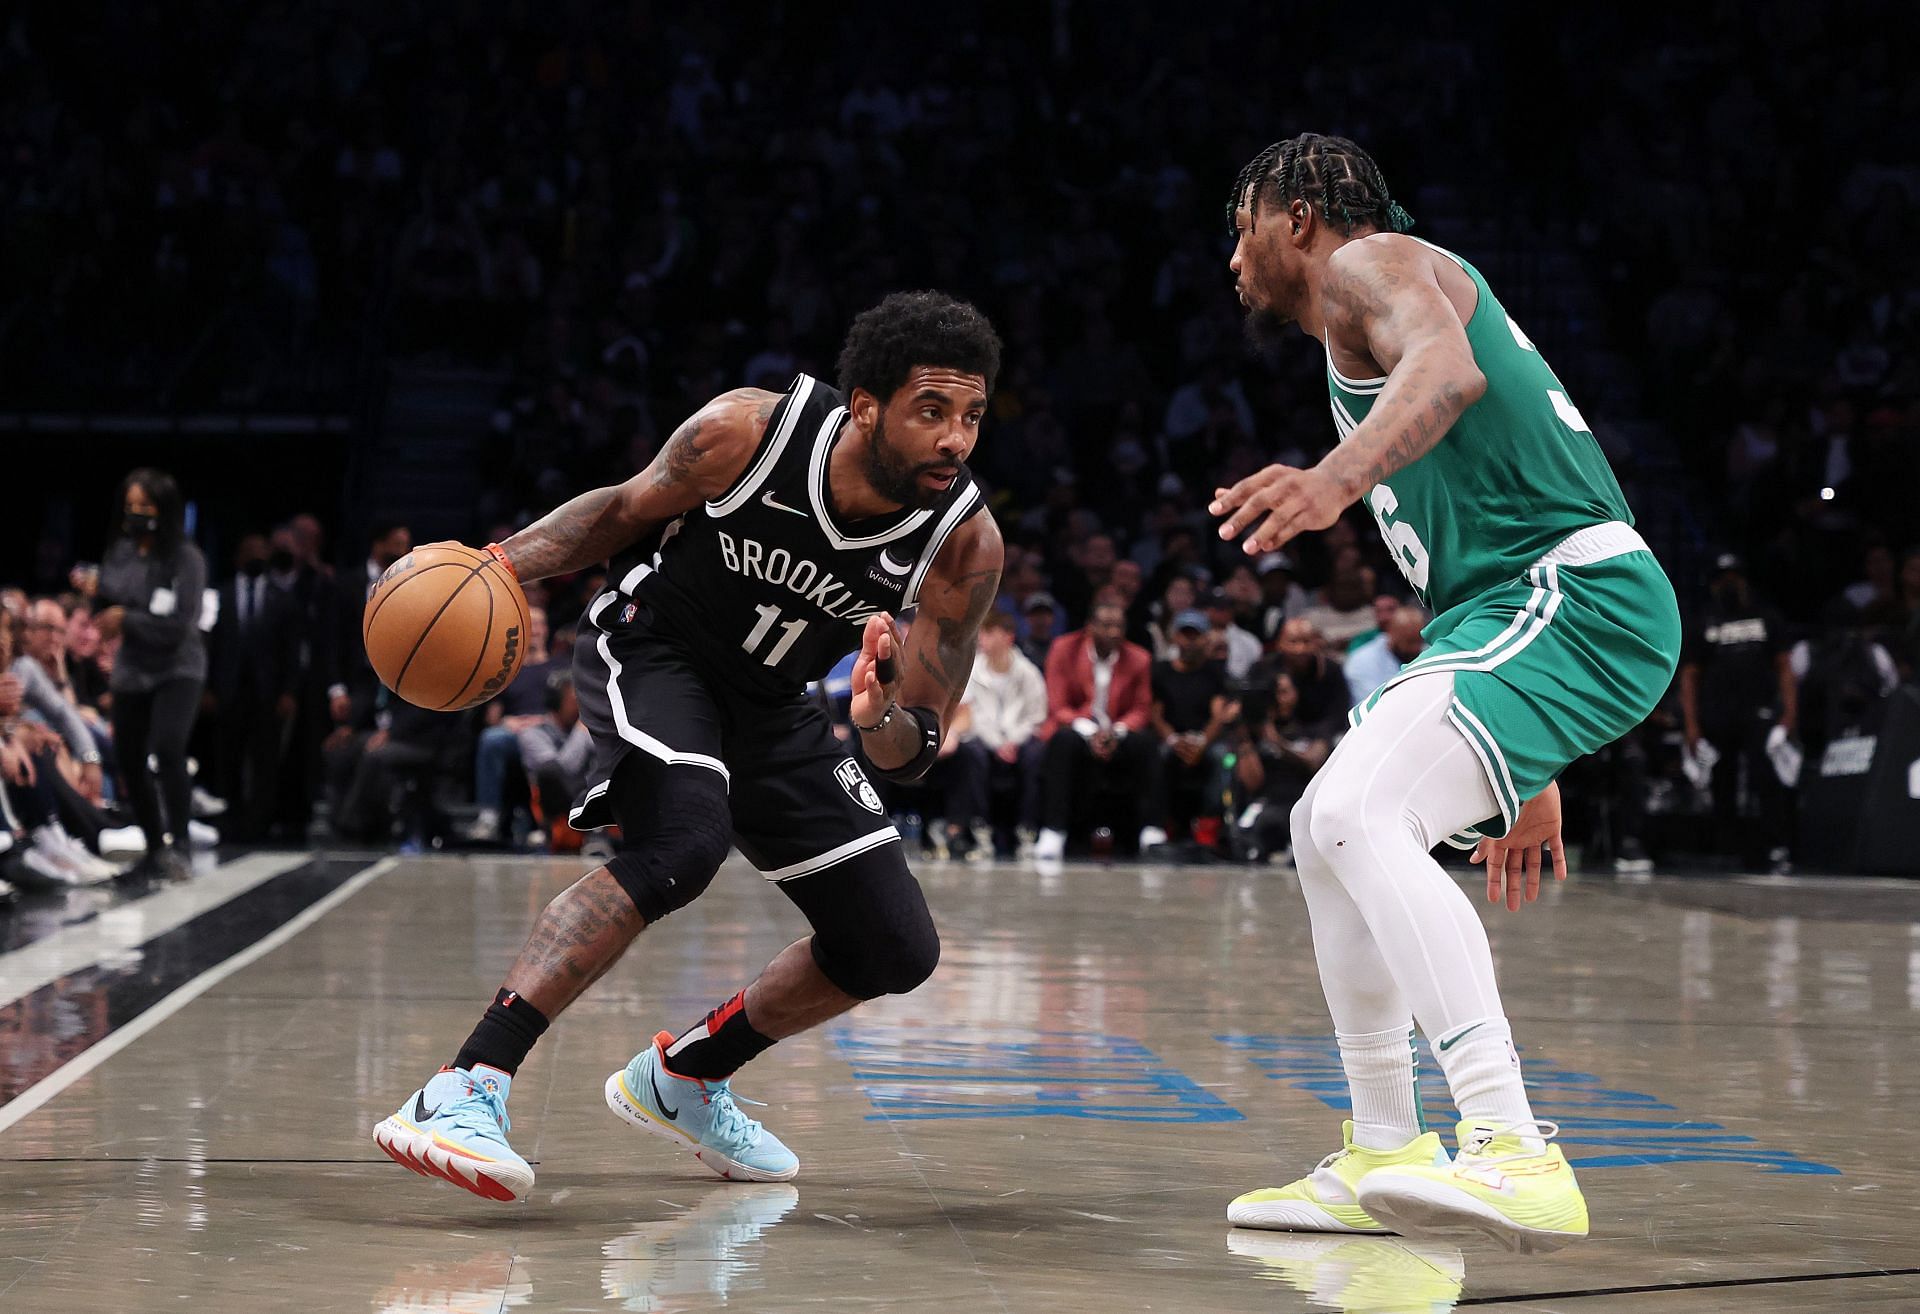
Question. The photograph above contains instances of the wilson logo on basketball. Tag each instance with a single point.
(507, 664)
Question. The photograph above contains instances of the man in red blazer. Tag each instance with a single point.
(1099, 700)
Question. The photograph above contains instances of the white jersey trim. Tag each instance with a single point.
(639, 738)
(807, 866)
(817, 494)
(962, 508)
(756, 474)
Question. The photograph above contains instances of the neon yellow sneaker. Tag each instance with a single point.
(1325, 1200)
(1358, 1274)
(1526, 1202)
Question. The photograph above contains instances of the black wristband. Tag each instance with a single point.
(916, 766)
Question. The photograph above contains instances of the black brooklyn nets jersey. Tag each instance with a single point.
(766, 586)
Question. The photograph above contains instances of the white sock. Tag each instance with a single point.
(1381, 1082)
(1483, 1072)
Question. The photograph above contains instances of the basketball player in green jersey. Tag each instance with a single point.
(1554, 633)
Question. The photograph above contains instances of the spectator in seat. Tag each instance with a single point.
(1316, 677)
(556, 749)
(1232, 645)
(1001, 751)
(1191, 706)
(368, 770)
(1043, 620)
(1272, 759)
(1280, 596)
(1346, 605)
(1736, 685)
(520, 707)
(1382, 657)
(1099, 701)
(152, 581)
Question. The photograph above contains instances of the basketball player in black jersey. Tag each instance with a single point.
(771, 534)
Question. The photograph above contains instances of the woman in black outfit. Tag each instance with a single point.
(152, 580)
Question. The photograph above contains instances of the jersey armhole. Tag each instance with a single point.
(780, 426)
(958, 514)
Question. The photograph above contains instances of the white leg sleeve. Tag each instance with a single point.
(1402, 781)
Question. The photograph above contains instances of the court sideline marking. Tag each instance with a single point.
(129, 925)
(1656, 1288)
(38, 1094)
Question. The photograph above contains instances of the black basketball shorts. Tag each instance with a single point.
(800, 802)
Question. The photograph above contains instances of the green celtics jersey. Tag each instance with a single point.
(1514, 476)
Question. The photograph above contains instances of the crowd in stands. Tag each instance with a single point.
(619, 212)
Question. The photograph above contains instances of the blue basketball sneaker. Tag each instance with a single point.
(455, 1127)
(701, 1115)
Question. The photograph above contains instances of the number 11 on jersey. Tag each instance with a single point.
(769, 615)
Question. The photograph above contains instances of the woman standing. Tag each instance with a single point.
(152, 581)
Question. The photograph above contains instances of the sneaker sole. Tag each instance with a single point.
(410, 1147)
(1294, 1216)
(630, 1110)
(1418, 1208)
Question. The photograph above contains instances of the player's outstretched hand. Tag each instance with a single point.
(1514, 858)
(876, 673)
(1277, 504)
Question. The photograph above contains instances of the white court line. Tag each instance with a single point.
(119, 930)
(30, 1099)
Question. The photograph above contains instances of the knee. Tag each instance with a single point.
(1335, 816)
(893, 959)
(873, 934)
(671, 845)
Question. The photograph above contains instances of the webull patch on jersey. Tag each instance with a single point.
(858, 787)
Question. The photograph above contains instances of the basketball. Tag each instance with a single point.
(446, 627)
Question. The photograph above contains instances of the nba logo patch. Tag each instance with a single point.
(858, 787)
(628, 612)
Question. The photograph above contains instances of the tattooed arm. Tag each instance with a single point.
(1382, 301)
(938, 657)
(700, 461)
(1385, 295)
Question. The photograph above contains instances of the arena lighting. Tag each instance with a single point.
(1826, 495)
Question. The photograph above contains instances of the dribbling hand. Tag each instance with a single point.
(876, 675)
(1277, 504)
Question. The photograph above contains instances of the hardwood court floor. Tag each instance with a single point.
(1055, 1122)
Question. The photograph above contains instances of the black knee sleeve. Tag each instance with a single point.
(872, 932)
(675, 830)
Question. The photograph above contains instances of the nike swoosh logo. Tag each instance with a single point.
(1451, 1041)
(421, 1112)
(673, 1115)
(778, 505)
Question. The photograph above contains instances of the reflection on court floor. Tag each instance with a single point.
(1054, 1123)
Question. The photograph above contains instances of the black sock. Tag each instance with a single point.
(718, 1044)
(504, 1035)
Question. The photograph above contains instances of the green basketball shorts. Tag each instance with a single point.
(1556, 664)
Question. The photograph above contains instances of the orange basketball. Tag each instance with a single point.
(446, 627)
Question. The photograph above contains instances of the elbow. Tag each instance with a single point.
(1469, 385)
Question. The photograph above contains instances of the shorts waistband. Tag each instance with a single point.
(1595, 543)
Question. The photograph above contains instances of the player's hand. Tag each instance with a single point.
(1277, 504)
(880, 648)
(1514, 858)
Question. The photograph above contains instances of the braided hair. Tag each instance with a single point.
(1333, 175)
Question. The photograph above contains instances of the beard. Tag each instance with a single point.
(896, 477)
(1265, 328)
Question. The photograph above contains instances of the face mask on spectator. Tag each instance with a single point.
(137, 526)
(281, 562)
